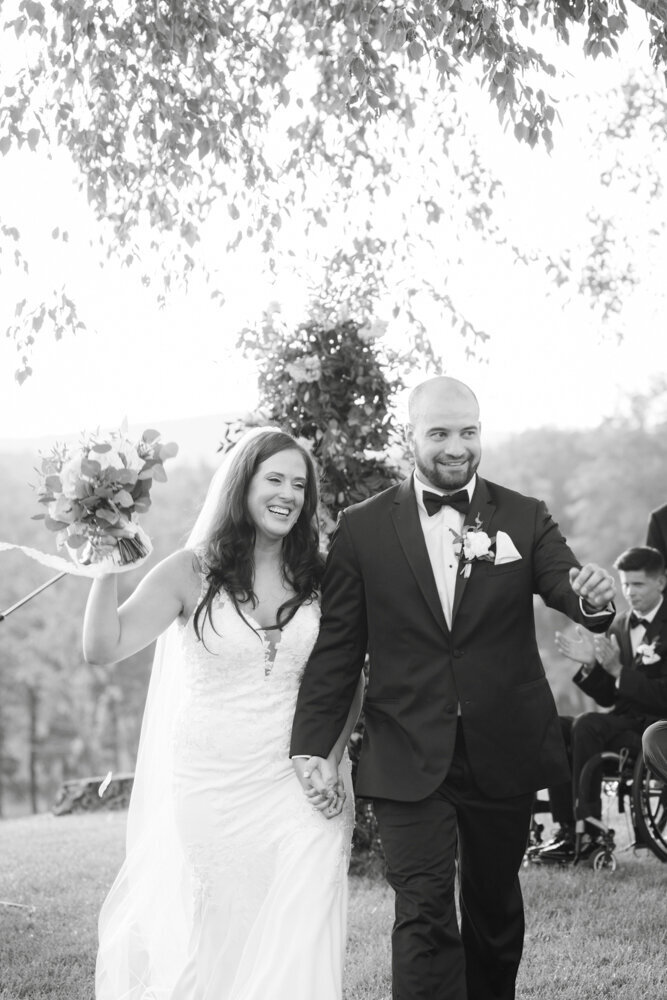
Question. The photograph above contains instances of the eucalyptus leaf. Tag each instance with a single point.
(53, 525)
(76, 541)
(124, 499)
(108, 516)
(159, 475)
(169, 450)
(128, 476)
(89, 467)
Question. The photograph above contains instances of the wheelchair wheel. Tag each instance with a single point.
(602, 860)
(649, 807)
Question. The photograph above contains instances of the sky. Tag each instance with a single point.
(546, 362)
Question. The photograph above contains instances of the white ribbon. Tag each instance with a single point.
(92, 570)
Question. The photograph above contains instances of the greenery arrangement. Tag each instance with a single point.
(333, 386)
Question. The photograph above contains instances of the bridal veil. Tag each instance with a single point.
(146, 919)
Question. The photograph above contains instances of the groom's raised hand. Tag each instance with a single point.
(593, 585)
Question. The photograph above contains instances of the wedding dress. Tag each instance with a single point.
(234, 887)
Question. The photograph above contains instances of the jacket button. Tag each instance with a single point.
(458, 652)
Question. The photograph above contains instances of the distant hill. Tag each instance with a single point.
(198, 439)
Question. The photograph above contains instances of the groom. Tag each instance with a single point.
(435, 579)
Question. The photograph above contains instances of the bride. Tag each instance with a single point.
(234, 885)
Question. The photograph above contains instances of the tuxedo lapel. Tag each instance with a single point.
(481, 511)
(408, 527)
(624, 642)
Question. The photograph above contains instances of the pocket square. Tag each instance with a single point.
(506, 551)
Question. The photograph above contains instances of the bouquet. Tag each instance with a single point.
(94, 493)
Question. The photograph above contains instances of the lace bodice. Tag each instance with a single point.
(240, 692)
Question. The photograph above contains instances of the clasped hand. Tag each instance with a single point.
(593, 584)
(321, 783)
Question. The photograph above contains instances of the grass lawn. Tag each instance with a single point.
(591, 936)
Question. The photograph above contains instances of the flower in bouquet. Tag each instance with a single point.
(93, 494)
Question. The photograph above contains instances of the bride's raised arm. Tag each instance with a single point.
(111, 634)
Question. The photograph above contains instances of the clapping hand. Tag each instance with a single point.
(593, 584)
(578, 645)
(608, 653)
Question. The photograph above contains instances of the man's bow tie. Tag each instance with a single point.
(635, 621)
(433, 502)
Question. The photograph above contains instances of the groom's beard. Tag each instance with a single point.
(445, 475)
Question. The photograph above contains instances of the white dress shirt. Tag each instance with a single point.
(638, 633)
(439, 534)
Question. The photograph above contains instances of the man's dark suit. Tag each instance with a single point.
(642, 688)
(639, 700)
(417, 759)
(656, 535)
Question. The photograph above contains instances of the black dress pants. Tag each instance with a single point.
(560, 796)
(592, 733)
(431, 958)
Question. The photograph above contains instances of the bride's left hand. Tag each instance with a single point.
(325, 790)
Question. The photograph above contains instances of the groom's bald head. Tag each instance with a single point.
(438, 392)
(443, 431)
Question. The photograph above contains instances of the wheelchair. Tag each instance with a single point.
(636, 792)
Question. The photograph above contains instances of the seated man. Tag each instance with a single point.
(625, 671)
(654, 745)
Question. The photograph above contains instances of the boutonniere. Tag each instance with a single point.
(648, 653)
(473, 543)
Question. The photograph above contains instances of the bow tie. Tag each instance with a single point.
(635, 621)
(433, 502)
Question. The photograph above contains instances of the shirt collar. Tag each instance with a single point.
(650, 615)
(420, 486)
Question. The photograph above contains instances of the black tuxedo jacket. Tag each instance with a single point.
(656, 535)
(379, 594)
(642, 689)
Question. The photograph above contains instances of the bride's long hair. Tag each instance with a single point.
(228, 551)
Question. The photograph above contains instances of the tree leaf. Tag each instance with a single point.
(358, 69)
